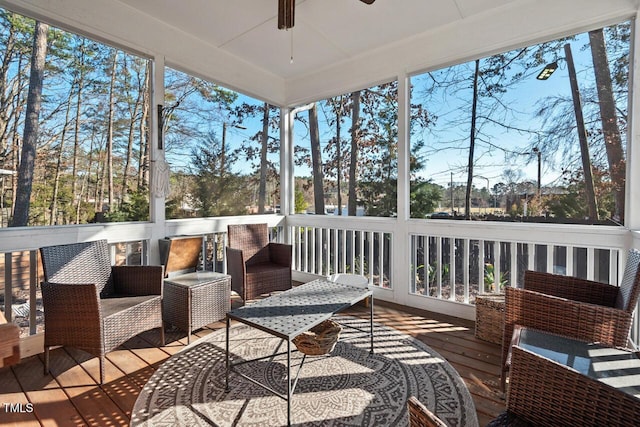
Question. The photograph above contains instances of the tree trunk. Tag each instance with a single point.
(87, 182)
(4, 77)
(112, 108)
(76, 137)
(472, 142)
(353, 163)
(53, 207)
(101, 172)
(262, 186)
(610, 130)
(592, 204)
(316, 162)
(15, 139)
(339, 155)
(31, 126)
(143, 159)
(131, 138)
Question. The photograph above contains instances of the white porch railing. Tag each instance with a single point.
(453, 261)
(326, 245)
(438, 265)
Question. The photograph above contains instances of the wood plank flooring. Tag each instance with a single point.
(72, 397)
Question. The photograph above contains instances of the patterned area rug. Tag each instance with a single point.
(348, 388)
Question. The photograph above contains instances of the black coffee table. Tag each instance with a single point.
(290, 313)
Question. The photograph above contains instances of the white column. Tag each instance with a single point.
(286, 164)
(632, 203)
(156, 204)
(401, 249)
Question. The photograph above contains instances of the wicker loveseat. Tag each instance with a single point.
(257, 266)
(569, 306)
(94, 306)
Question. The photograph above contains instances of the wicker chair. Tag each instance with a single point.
(257, 266)
(420, 416)
(93, 306)
(582, 309)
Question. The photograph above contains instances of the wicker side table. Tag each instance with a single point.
(193, 300)
(490, 318)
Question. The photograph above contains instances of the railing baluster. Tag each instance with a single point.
(497, 270)
(590, 263)
(513, 279)
(439, 268)
(300, 245)
(344, 251)
(481, 266)
(531, 258)
(312, 249)
(452, 269)
(307, 250)
(381, 258)
(413, 281)
(550, 262)
(465, 268)
(318, 248)
(613, 263)
(426, 264)
(334, 250)
(570, 251)
(361, 252)
(326, 235)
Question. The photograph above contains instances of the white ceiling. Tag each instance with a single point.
(326, 32)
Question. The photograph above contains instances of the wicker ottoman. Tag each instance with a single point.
(490, 318)
(193, 300)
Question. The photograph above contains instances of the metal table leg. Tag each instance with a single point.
(289, 390)
(371, 324)
(228, 364)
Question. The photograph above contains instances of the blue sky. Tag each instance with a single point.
(452, 126)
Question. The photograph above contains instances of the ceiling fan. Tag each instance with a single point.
(286, 13)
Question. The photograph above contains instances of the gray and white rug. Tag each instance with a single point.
(349, 388)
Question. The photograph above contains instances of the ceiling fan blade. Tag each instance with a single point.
(367, 1)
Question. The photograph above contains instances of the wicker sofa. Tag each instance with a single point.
(257, 266)
(94, 306)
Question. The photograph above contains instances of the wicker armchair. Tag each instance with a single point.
(93, 306)
(582, 309)
(257, 266)
(420, 416)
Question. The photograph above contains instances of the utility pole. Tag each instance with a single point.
(539, 153)
(582, 135)
(453, 212)
(222, 152)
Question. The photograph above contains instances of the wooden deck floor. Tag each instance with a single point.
(72, 397)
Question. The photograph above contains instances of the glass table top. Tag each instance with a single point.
(617, 367)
